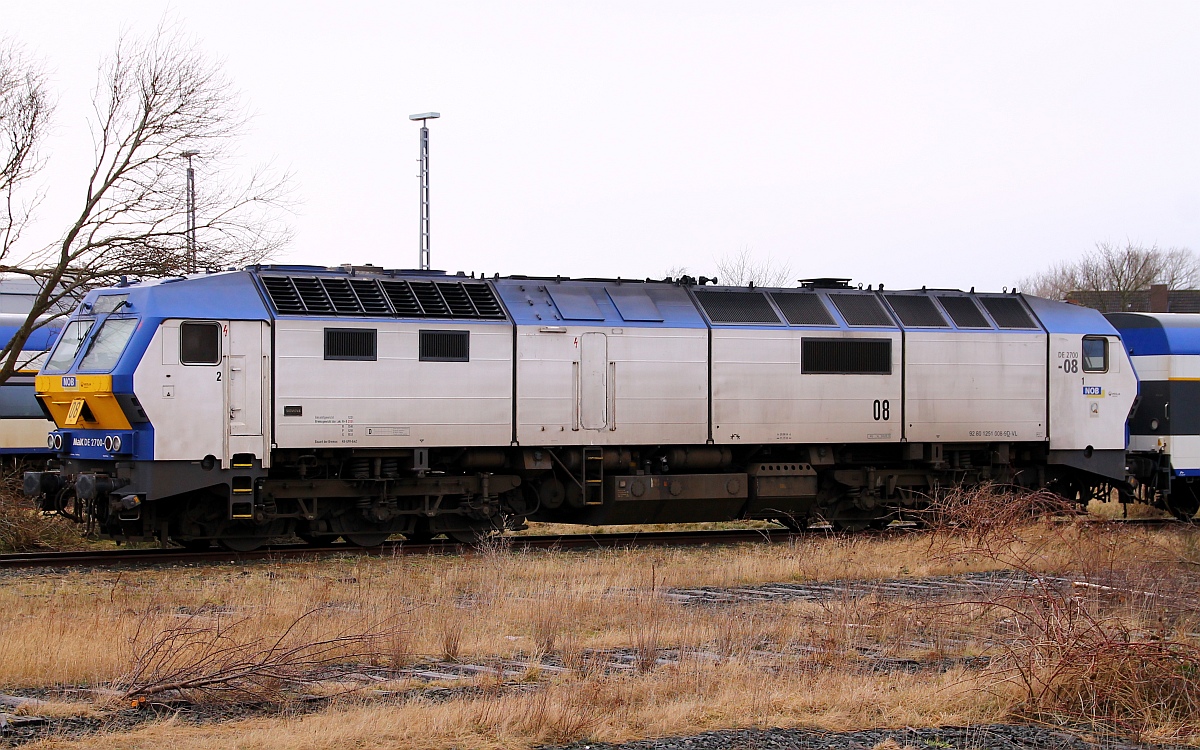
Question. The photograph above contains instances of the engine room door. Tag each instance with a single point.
(244, 390)
(593, 381)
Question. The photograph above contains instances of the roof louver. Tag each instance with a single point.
(370, 297)
(1008, 312)
(916, 311)
(737, 307)
(964, 312)
(862, 310)
(803, 308)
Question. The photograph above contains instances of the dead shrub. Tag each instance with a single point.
(205, 658)
(23, 528)
(1137, 687)
(989, 516)
(1094, 644)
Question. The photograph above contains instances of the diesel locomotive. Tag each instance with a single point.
(359, 402)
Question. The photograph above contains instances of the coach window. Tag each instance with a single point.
(200, 343)
(1095, 355)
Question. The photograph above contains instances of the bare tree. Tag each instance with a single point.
(25, 111)
(156, 97)
(743, 269)
(1124, 269)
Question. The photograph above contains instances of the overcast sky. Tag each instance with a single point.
(950, 144)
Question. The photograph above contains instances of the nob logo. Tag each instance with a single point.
(68, 381)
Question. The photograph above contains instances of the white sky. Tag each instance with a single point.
(948, 144)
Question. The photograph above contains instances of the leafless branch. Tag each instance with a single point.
(204, 655)
(155, 97)
(743, 269)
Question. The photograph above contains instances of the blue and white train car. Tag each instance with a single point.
(1164, 429)
(23, 423)
(358, 402)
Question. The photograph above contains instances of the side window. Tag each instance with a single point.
(1095, 354)
(200, 343)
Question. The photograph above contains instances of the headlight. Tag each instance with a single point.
(56, 439)
(112, 443)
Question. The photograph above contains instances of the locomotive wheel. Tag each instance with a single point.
(243, 543)
(366, 540)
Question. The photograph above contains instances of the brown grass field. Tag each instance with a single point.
(328, 654)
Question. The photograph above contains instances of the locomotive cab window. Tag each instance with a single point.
(69, 342)
(108, 344)
(1095, 354)
(199, 343)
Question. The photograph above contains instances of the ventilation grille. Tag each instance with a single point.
(916, 311)
(803, 309)
(1008, 312)
(368, 297)
(846, 356)
(862, 310)
(445, 346)
(963, 312)
(358, 344)
(737, 307)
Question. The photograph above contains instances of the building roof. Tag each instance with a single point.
(1178, 301)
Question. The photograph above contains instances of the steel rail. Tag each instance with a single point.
(118, 557)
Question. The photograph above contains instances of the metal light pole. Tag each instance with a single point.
(191, 210)
(424, 195)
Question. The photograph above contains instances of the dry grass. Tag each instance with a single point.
(690, 667)
(612, 708)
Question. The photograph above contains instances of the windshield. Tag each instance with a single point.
(107, 345)
(68, 344)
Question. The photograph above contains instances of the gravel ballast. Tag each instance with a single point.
(993, 737)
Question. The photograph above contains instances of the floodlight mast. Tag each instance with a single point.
(191, 210)
(423, 158)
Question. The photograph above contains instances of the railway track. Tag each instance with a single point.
(118, 557)
(126, 556)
